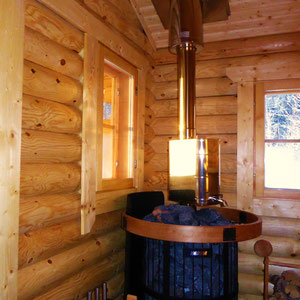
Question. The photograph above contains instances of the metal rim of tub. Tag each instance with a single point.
(248, 226)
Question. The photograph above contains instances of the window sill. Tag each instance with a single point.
(116, 184)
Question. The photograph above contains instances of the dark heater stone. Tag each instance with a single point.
(177, 271)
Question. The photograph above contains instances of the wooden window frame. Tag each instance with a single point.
(261, 89)
(115, 183)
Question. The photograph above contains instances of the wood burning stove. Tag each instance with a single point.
(176, 262)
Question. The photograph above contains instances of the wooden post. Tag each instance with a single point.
(89, 133)
(11, 79)
(245, 139)
(141, 129)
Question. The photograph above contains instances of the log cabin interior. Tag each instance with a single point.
(89, 93)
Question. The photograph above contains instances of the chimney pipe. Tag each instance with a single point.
(185, 36)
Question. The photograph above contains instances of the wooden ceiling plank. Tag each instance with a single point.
(278, 10)
(245, 29)
(120, 21)
(258, 4)
(232, 48)
(136, 7)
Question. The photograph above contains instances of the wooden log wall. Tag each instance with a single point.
(55, 260)
(216, 109)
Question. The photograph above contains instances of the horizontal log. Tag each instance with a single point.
(76, 286)
(277, 207)
(47, 210)
(87, 22)
(149, 116)
(40, 244)
(217, 67)
(204, 106)
(158, 180)
(149, 100)
(205, 125)
(112, 200)
(34, 280)
(228, 183)
(216, 124)
(160, 144)
(148, 153)
(283, 67)
(42, 82)
(150, 81)
(149, 134)
(47, 53)
(160, 162)
(204, 88)
(252, 284)
(40, 179)
(288, 227)
(282, 246)
(232, 48)
(50, 25)
(228, 163)
(48, 147)
(45, 115)
(253, 264)
(231, 199)
(115, 285)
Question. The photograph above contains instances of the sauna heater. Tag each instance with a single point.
(176, 262)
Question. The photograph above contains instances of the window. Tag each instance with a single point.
(116, 122)
(277, 141)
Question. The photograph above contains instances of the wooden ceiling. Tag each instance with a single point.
(248, 18)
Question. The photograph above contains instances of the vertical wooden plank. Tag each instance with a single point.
(11, 78)
(89, 133)
(245, 139)
(259, 139)
(100, 118)
(140, 129)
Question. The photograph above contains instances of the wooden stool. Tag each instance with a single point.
(131, 297)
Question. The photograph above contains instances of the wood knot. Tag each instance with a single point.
(98, 243)
(49, 261)
(33, 71)
(62, 62)
(57, 80)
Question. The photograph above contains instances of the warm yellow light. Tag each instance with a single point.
(182, 154)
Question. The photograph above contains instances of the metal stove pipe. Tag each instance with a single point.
(185, 36)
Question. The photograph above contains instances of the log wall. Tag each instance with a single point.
(55, 260)
(216, 110)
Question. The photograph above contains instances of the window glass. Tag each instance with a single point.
(282, 141)
(282, 116)
(117, 154)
